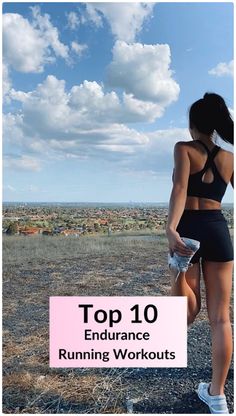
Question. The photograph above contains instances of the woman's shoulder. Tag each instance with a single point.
(182, 150)
(183, 145)
(227, 152)
(226, 157)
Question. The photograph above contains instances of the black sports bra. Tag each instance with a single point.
(214, 190)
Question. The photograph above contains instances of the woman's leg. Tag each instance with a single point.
(218, 282)
(188, 284)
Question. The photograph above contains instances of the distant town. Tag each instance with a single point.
(80, 219)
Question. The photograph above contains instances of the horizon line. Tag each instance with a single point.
(89, 202)
(94, 202)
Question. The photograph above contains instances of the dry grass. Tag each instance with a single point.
(93, 389)
(36, 268)
(19, 249)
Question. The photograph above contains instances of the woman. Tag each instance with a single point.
(201, 175)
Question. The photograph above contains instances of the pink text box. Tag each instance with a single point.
(165, 328)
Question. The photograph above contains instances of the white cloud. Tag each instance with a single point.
(138, 110)
(6, 82)
(49, 108)
(49, 32)
(116, 148)
(93, 15)
(23, 47)
(223, 69)
(23, 162)
(28, 47)
(72, 20)
(58, 125)
(12, 128)
(144, 71)
(84, 121)
(89, 99)
(165, 139)
(125, 19)
(9, 188)
(78, 48)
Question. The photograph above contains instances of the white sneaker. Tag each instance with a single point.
(217, 404)
(179, 263)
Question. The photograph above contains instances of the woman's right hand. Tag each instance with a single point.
(176, 244)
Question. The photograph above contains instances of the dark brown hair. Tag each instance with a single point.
(211, 113)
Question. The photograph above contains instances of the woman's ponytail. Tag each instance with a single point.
(211, 113)
(223, 122)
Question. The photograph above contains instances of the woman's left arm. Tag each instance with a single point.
(178, 199)
(232, 180)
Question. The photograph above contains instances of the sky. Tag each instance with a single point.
(95, 95)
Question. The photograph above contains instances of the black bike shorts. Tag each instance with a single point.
(211, 229)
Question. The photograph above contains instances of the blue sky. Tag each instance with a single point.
(97, 94)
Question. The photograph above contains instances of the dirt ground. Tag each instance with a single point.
(127, 268)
